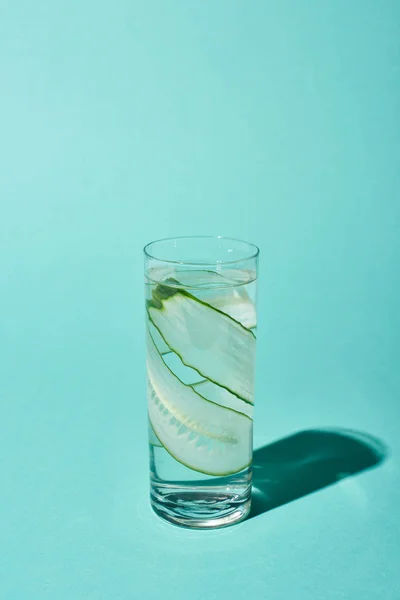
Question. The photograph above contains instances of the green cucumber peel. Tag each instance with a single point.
(236, 378)
(199, 433)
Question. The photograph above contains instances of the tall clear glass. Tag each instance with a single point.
(201, 322)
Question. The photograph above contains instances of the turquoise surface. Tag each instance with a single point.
(276, 122)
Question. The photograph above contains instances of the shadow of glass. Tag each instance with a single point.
(308, 461)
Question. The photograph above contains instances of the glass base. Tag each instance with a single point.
(200, 507)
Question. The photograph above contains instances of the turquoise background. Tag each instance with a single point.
(122, 122)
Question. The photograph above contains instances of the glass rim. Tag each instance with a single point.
(255, 250)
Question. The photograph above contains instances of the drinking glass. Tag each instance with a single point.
(201, 320)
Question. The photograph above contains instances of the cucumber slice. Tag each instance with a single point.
(226, 292)
(222, 292)
(221, 396)
(206, 339)
(198, 433)
(237, 304)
